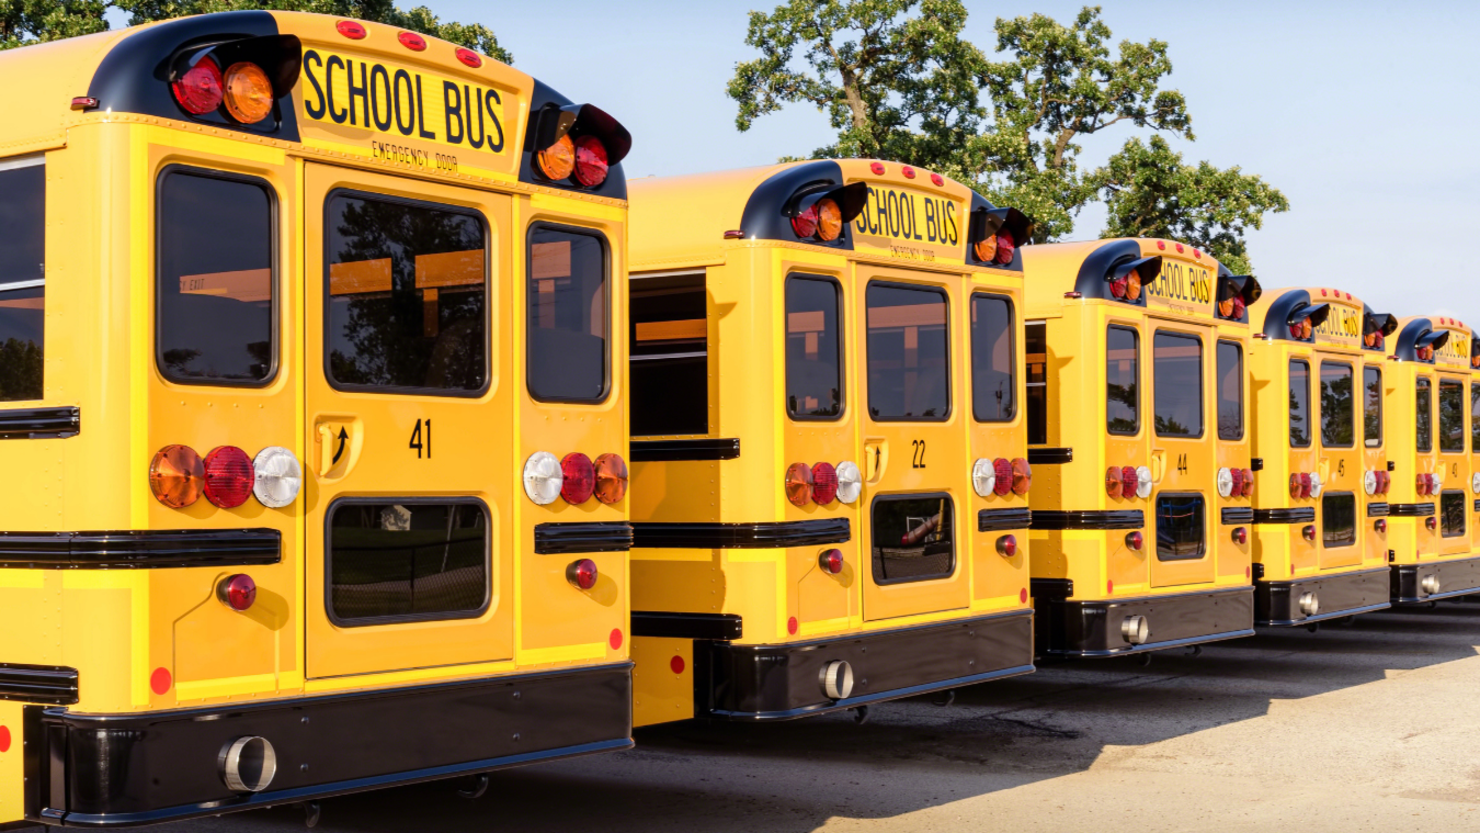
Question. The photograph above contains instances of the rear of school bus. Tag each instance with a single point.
(276, 288)
(1475, 444)
(1432, 555)
(817, 360)
(1320, 522)
(1134, 540)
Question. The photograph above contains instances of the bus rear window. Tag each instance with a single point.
(1337, 412)
(406, 289)
(908, 349)
(1423, 399)
(1180, 525)
(1122, 374)
(1230, 391)
(1451, 415)
(1452, 514)
(1372, 409)
(1299, 403)
(992, 382)
(215, 280)
(22, 277)
(1176, 368)
(401, 561)
(914, 538)
(814, 357)
(567, 315)
(1338, 519)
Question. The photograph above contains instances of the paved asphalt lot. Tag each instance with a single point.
(1372, 726)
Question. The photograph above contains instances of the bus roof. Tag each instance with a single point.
(1453, 342)
(891, 211)
(358, 91)
(1340, 319)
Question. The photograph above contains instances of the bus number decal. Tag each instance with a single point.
(421, 440)
(1182, 463)
(917, 459)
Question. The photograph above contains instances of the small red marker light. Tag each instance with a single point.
(1197, 254)
(791, 626)
(1023, 596)
(615, 640)
(831, 561)
(676, 665)
(1380, 525)
(84, 102)
(1161, 244)
(4, 738)
(1248, 574)
(909, 173)
(937, 179)
(1135, 540)
(1109, 587)
(1240, 535)
(238, 592)
(412, 41)
(582, 574)
(1323, 293)
(161, 680)
(1179, 247)
(1431, 523)
(1308, 532)
(734, 234)
(1007, 546)
(469, 57)
(877, 168)
(351, 29)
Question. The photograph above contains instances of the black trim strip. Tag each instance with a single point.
(709, 626)
(1051, 588)
(773, 535)
(1050, 456)
(1295, 515)
(993, 520)
(1380, 510)
(553, 538)
(1410, 510)
(1092, 519)
(1233, 515)
(52, 684)
(40, 423)
(150, 548)
(661, 451)
(1477, 505)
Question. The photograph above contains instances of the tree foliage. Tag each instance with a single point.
(34, 21)
(897, 80)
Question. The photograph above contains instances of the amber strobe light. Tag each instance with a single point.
(248, 92)
(177, 476)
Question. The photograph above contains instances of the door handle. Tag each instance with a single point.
(875, 458)
(335, 441)
(1158, 465)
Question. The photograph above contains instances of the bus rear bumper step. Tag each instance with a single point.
(1413, 584)
(117, 770)
(787, 681)
(1279, 604)
(1090, 628)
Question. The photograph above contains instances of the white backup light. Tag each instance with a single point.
(543, 478)
(278, 477)
(850, 481)
(983, 476)
(1143, 482)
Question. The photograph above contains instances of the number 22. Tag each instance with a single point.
(917, 460)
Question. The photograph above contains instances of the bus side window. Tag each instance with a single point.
(992, 384)
(1299, 403)
(670, 355)
(908, 353)
(1372, 412)
(1424, 423)
(1451, 415)
(1230, 390)
(566, 298)
(1177, 387)
(22, 277)
(407, 289)
(1035, 333)
(216, 290)
(1122, 381)
(1337, 413)
(814, 363)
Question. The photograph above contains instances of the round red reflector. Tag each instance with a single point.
(1022, 476)
(1003, 472)
(161, 680)
(1006, 246)
(1109, 587)
(831, 561)
(1240, 535)
(1112, 481)
(582, 575)
(351, 29)
(615, 640)
(676, 665)
(591, 166)
(877, 168)
(1248, 488)
(791, 626)
(1380, 525)
(1430, 523)
(937, 179)
(238, 592)
(469, 57)
(580, 478)
(611, 478)
(1135, 540)
(1248, 572)
(824, 483)
(1308, 532)
(412, 41)
(228, 476)
(1129, 480)
(199, 89)
(909, 173)
(4, 738)
(1023, 596)
(805, 222)
(1007, 546)
(799, 484)
(176, 476)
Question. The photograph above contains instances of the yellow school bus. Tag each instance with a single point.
(1320, 525)
(828, 461)
(1432, 557)
(1475, 443)
(1137, 422)
(299, 312)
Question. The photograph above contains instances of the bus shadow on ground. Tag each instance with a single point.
(911, 754)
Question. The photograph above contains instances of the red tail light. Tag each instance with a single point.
(591, 165)
(199, 89)
(1301, 329)
(1384, 480)
(824, 483)
(1128, 481)
(1238, 482)
(1112, 482)
(176, 476)
(238, 592)
(805, 222)
(579, 478)
(1135, 540)
(1007, 546)
(611, 478)
(1022, 476)
(1248, 486)
(1305, 484)
(799, 484)
(1423, 484)
(1003, 471)
(1006, 246)
(1294, 485)
(831, 561)
(581, 574)
(1240, 535)
(228, 476)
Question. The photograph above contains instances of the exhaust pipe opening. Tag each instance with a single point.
(1310, 604)
(837, 680)
(248, 764)
(1135, 629)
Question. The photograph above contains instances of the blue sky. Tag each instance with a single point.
(1363, 113)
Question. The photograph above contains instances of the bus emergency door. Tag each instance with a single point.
(408, 492)
(1336, 379)
(913, 533)
(1183, 461)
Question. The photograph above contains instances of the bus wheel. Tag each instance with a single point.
(477, 788)
(860, 715)
(944, 698)
(1347, 621)
(1313, 628)
(1146, 660)
(1194, 651)
(311, 813)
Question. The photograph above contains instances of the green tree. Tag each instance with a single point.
(33, 21)
(1151, 192)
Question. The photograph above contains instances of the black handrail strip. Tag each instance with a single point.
(1410, 510)
(772, 535)
(141, 548)
(1233, 515)
(1381, 510)
(995, 520)
(40, 423)
(552, 538)
(51, 684)
(1295, 515)
(710, 626)
(1089, 519)
(659, 451)
(1050, 456)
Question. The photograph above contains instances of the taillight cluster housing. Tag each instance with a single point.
(1376, 482)
(574, 478)
(1000, 476)
(242, 90)
(576, 144)
(822, 220)
(1235, 482)
(583, 159)
(1128, 481)
(822, 483)
(996, 248)
(1302, 329)
(1425, 353)
(226, 477)
(1305, 485)
(1429, 483)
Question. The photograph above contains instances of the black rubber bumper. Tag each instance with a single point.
(1277, 603)
(1456, 578)
(780, 682)
(1092, 627)
(130, 769)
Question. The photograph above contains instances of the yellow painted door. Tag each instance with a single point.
(915, 530)
(407, 486)
(1339, 521)
(1184, 465)
(1452, 431)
